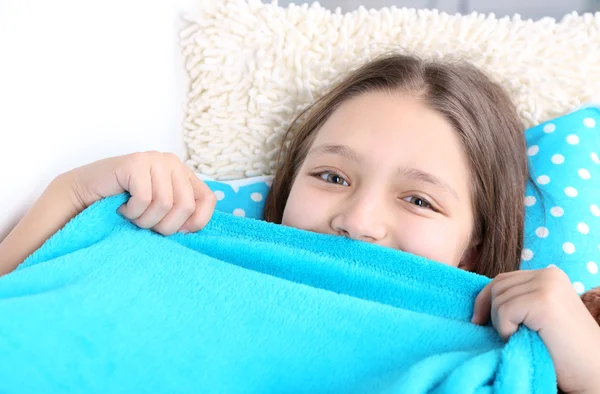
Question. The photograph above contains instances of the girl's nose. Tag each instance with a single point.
(361, 221)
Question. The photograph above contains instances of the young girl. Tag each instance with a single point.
(426, 157)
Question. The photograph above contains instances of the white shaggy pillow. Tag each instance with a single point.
(254, 65)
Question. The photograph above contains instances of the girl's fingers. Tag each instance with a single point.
(483, 305)
(507, 316)
(139, 186)
(510, 309)
(200, 188)
(483, 302)
(184, 205)
(513, 292)
(510, 280)
(162, 198)
(166, 196)
(205, 205)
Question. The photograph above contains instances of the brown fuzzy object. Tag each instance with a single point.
(591, 299)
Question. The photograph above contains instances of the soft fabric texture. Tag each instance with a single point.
(563, 222)
(245, 306)
(253, 66)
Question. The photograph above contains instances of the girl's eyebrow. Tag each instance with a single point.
(407, 172)
(426, 177)
(340, 150)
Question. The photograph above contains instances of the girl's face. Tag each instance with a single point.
(387, 170)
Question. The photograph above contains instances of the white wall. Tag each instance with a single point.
(81, 81)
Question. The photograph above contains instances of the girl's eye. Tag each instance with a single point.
(419, 201)
(332, 177)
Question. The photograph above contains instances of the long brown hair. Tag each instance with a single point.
(482, 114)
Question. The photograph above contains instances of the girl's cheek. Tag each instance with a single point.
(432, 239)
(305, 209)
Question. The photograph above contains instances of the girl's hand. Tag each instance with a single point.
(546, 302)
(166, 196)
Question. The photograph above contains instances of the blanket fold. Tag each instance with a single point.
(246, 306)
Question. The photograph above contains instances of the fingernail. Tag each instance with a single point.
(184, 231)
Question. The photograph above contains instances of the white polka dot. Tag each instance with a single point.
(592, 267)
(527, 254)
(532, 151)
(583, 228)
(573, 139)
(542, 232)
(530, 201)
(595, 210)
(584, 174)
(239, 212)
(558, 159)
(595, 158)
(256, 197)
(543, 179)
(571, 191)
(220, 195)
(549, 128)
(589, 122)
(579, 288)
(569, 248)
(557, 211)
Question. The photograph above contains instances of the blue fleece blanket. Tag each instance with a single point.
(245, 306)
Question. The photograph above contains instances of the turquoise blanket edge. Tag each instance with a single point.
(389, 291)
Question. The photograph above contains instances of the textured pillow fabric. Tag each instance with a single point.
(563, 223)
(254, 65)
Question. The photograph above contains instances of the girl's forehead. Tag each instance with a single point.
(379, 123)
(392, 134)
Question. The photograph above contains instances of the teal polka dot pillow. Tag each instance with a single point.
(241, 197)
(562, 221)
